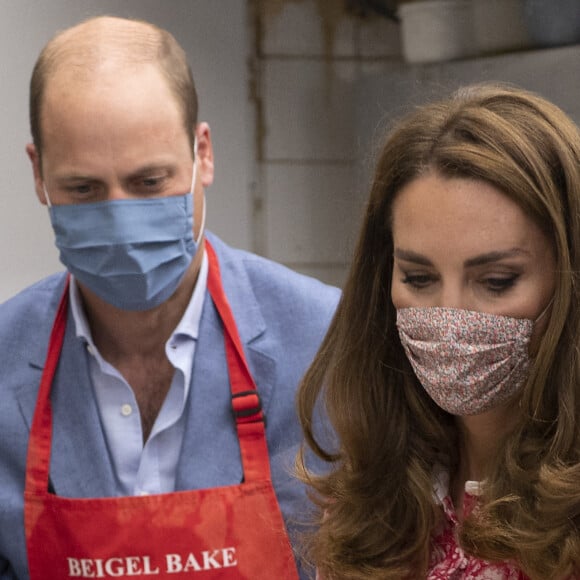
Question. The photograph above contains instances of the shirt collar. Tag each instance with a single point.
(441, 485)
(441, 493)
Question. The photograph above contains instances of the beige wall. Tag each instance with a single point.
(311, 61)
(297, 95)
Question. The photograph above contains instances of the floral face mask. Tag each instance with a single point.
(468, 362)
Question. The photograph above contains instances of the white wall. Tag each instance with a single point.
(215, 35)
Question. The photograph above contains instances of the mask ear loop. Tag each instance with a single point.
(202, 226)
(542, 314)
(46, 195)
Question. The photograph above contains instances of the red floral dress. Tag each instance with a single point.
(448, 561)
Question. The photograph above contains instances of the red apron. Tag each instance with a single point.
(228, 532)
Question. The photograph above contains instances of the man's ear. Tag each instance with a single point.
(36, 172)
(204, 153)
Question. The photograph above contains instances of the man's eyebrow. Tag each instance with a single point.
(74, 177)
(153, 167)
(152, 170)
(139, 171)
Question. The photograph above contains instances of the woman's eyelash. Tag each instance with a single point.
(501, 284)
(417, 280)
(495, 285)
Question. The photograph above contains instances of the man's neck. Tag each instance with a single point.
(122, 334)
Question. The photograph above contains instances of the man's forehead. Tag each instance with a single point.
(86, 75)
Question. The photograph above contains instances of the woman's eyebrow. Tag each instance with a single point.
(483, 259)
(410, 256)
(497, 256)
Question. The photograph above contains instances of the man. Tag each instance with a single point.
(168, 357)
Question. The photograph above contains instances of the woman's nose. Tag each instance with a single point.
(451, 296)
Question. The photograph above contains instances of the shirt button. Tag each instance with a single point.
(90, 349)
(126, 410)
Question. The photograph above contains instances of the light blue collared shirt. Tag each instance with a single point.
(150, 468)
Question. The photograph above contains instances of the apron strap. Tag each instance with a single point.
(246, 403)
(38, 457)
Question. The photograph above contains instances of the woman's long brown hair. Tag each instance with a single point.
(377, 513)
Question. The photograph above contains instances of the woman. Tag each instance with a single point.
(451, 371)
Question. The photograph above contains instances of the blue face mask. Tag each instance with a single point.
(131, 253)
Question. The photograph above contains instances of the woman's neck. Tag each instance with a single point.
(480, 437)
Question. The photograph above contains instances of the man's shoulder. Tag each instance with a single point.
(32, 304)
(272, 281)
